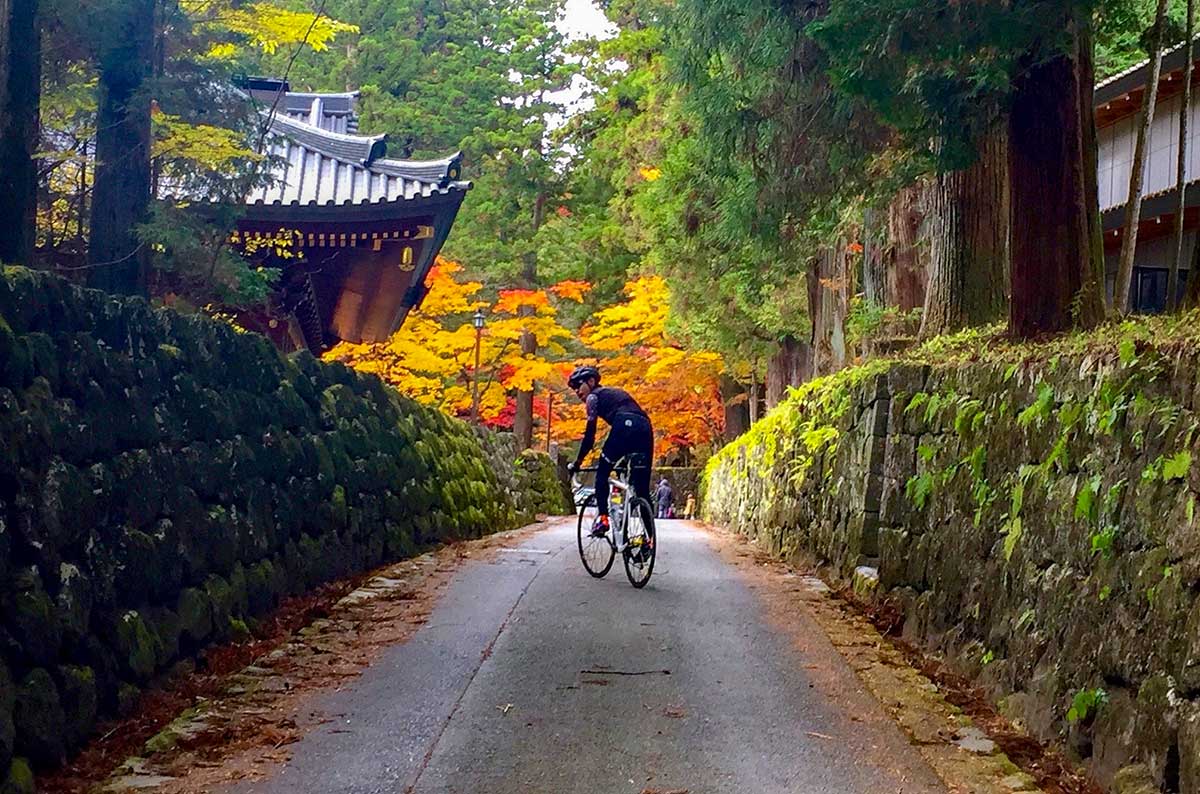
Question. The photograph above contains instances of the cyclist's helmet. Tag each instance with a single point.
(581, 374)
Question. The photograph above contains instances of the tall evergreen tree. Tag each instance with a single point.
(20, 87)
(969, 262)
(121, 192)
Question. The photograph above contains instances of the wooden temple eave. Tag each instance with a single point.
(1120, 96)
(353, 233)
(364, 264)
(1153, 206)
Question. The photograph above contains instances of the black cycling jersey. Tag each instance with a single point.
(606, 402)
(631, 433)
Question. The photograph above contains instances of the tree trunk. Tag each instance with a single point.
(1185, 107)
(907, 274)
(1191, 295)
(875, 258)
(968, 281)
(1057, 264)
(790, 366)
(1133, 207)
(121, 190)
(753, 402)
(20, 92)
(829, 288)
(523, 417)
(737, 408)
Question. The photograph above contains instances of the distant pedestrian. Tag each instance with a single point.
(664, 496)
(689, 508)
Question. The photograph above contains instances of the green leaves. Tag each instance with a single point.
(1127, 352)
(1085, 703)
(918, 489)
(1177, 466)
(1086, 505)
(1039, 410)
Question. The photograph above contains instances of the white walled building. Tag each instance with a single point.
(1117, 102)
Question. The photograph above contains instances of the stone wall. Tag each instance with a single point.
(164, 480)
(1035, 516)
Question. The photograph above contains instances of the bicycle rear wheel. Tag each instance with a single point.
(639, 549)
(597, 553)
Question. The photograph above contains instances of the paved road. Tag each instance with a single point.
(492, 694)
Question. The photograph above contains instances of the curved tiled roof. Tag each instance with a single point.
(360, 149)
(319, 167)
(1128, 80)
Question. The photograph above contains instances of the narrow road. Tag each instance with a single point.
(530, 676)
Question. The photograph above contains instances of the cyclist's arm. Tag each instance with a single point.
(589, 432)
(589, 440)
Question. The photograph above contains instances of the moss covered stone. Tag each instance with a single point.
(220, 595)
(8, 698)
(136, 646)
(80, 702)
(39, 719)
(242, 477)
(74, 603)
(194, 609)
(19, 778)
(32, 617)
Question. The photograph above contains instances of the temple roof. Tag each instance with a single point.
(1135, 77)
(317, 165)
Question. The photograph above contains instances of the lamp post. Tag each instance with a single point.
(478, 321)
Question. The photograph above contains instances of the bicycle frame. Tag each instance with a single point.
(615, 482)
(637, 553)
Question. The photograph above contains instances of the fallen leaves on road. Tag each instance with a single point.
(674, 712)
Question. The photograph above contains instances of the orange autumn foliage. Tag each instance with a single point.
(678, 388)
(431, 357)
(571, 290)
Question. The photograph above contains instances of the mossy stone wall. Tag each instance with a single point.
(165, 479)
(1035, 519)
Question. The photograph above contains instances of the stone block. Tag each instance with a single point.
(66, 503)
(32, 618)
(80, 701)
(18, 779)
(1135, 779)
(893, 557)
(135, 645)
(38, 717)
(1189, 750)
(8, 698)
(195, 611)
(221, 596)
(74, 603)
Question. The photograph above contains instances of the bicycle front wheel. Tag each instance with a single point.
(639, 548)
(597, 553)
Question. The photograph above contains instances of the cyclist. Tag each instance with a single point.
(630, 433)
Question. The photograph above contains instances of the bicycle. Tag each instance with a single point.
(630, 515)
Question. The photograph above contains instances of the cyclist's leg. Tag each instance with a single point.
(642, 441)
(603, 469)
(616, 446)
